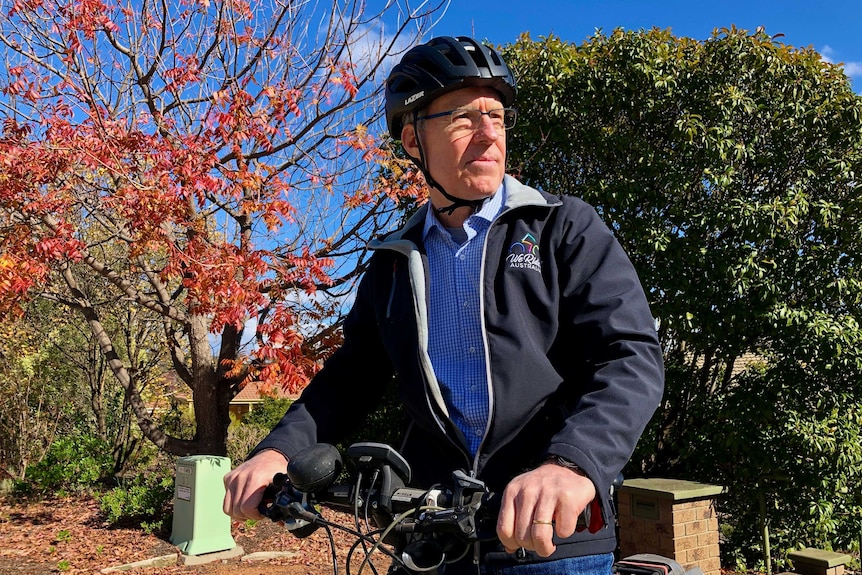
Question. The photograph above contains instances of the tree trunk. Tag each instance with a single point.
(212, 391)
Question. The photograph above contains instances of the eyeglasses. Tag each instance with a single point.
(464, 121)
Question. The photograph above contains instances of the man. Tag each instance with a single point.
(521, 337)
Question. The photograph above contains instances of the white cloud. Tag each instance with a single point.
(380, 36)
(367, 44)
(852, 69)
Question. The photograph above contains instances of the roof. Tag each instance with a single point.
(251, 394)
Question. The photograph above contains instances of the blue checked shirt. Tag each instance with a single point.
(456, 347)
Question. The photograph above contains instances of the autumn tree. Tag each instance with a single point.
(729, 168)
(207, 163)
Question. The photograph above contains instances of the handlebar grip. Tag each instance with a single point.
(291, 507)
(265, 507)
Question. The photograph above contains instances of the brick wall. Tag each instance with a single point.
(661, 523)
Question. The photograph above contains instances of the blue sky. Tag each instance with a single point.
(832, 28)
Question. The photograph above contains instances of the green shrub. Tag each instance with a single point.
(268, 413)
(72, 464)
(143, 500)
(241, 439)
(245, 434)
(179, 421)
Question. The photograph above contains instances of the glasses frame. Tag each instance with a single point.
(507, 112)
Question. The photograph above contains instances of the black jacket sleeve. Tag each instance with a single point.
(614, 333)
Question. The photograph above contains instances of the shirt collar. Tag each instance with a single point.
(490, 208)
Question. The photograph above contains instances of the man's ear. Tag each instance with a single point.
(409, 140)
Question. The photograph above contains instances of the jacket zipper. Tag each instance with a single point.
(484, 330)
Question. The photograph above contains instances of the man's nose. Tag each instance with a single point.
(486, 128)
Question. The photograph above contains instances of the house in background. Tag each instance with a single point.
(250, 396)
(175, 395)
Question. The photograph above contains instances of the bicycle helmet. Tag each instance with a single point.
(443, 65)
(430, 70)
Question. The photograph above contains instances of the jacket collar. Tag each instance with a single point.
(517, 195)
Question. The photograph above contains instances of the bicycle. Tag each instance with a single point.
(429, 528)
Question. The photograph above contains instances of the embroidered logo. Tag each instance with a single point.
(525, 254)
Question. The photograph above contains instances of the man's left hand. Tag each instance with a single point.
(539, 503)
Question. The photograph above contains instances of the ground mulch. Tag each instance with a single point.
(71, 536)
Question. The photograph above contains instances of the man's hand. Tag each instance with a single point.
(542, 502)
(244, 485)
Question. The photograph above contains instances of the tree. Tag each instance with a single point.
(54, 385)
(104, 408)
(729, 169)
(35, 387)
(208, 164)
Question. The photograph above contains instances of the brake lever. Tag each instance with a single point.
(270, 492)
(440, 521)
(282, 502)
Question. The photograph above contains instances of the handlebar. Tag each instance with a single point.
(428, 526)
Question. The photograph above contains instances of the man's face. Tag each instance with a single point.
(468, 165)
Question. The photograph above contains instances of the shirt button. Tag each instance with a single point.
(472, 349)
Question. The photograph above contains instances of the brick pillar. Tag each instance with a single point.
(672, 518)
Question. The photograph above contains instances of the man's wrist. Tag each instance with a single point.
(269, 452)
(563, 462)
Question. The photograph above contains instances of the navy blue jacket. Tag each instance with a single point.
(575, 366)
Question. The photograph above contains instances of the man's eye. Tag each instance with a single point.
(461, 116)
(496, 115)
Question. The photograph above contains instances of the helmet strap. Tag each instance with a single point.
(457, 202)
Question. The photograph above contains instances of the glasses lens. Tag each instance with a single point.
(465, 119)
(502, 119)
(509, 118)
(498, 118)
(461, 121)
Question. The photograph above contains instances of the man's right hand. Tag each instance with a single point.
(244, 485)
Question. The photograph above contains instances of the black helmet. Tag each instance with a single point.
(442, 65)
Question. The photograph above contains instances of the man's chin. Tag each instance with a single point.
(484, 189)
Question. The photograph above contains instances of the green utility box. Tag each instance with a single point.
(200, 525)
